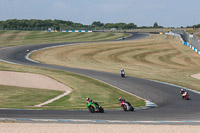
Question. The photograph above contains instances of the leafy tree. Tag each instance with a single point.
(131, 26)
(109, 25)
(97, 24)
(155, 25)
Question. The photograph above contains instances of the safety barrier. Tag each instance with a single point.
(70, 31)
(77, 31)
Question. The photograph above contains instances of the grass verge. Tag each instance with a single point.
(18, 97)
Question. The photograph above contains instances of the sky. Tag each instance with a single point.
(168, 13)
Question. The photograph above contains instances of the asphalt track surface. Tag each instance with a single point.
(171, 107)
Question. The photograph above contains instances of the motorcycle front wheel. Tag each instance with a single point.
(91, 109)
(124, 107)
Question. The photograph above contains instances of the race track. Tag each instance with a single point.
(170, 106)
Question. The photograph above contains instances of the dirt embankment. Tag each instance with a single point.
(30, 80)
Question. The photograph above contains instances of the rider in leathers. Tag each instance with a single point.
(90, 100)
(121, 100)
(183, 93)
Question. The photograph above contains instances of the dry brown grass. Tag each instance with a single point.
(12, 38)
(158, 57)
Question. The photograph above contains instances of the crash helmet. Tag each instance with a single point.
(87, 99)
(120, 98)
(181, 89)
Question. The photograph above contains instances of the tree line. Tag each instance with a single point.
(194, 26)
(35, 24)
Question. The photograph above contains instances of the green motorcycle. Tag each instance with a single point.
(94, 107)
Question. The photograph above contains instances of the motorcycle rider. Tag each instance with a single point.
(90, 100)
(121, 100)
(28, 50)
(183, 93)
(122, 72)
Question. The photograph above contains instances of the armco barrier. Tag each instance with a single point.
(183, 42)
(71, 31)
(77, 31)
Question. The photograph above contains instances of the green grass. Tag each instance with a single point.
(82, 87)
(19, 97)
(96, 90)
(12, 38)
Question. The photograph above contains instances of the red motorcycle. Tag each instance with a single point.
(185, 95)
(126, 106)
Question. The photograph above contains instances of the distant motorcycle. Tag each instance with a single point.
(28, 50)
(122, 73)
(92, 107)
(185, 95)
(126, 106)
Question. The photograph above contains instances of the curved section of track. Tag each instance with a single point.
(170, 106)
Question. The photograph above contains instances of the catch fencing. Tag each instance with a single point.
(189, 39)
(195, 42)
